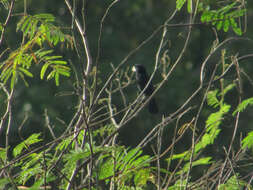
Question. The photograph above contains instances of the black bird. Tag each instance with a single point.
(142, 79)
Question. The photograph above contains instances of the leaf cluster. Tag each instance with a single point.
(37, 30)
(225, 17)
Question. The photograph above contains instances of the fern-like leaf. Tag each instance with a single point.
(34, 138)
(247, 142)
(201, 161)
(243, 105)
(224, 17)
(212, 99)
(180, 3)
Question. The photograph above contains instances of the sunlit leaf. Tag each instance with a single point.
(43, 70)
(243, 105)
(247, 142)
(13, 78)
(34, 138)
(57, 76)
(26, 72)
(180, 3)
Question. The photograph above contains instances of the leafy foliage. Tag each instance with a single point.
(247, 142)
(212, 124)
(243, 105)
(212, 128)
(31, 165)
(201, 161)
(234, 183)
(38, 29)
(126, 165)
(224, 17)
(212, 99)
(180, 3)
(34, 138)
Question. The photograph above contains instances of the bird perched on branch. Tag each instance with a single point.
(142, 79)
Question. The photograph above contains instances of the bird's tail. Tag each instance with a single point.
(152, 107)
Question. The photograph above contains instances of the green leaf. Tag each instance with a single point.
(128, 158)
(63, 144)
(214, 120)
(5, 75)
(29, 172)
(51, 75)
(52, 58)
(228, 88)
(63, 72)
(179, 185)
(39, 182)
(179, 4)
(106, 169)
(234, 183)
(76, 155)
(201, 161)
(59, 62)
(132, 154)
(206, 16)
(238, 31)
(22, 24)
(179, 156)
(212, 99)
(247, 142)
(1, 27)
(142, 177)
(243, 105)
(227, 8)
(3, 154)
(34, 29)
(233, 23)
(57, 76)
(219, 25)
(189, 6)
(13, 78)
(142, 161)
(26, 72)
(45, 16)
(212, 128)
(71, 159)
(224, 17)
(126, 162)
(41, 53)
(212, 131)
(226, 25)
(43, 70)
(27, 26)
(23, 78)
(207, 139)
(34, 138)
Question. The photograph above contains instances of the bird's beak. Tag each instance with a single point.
(133, 69)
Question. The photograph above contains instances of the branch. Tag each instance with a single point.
(84, 39)
(7, 21)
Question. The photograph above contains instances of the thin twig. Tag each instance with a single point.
(7, 21)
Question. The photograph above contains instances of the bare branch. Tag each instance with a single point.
(7, 21)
